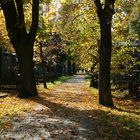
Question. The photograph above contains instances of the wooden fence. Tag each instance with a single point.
(8, 72)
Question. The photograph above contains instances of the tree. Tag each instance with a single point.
(135, 19)
(22, 41)
(105, 11)
(79, 41)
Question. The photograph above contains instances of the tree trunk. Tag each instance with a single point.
(94, 82)
(26, 67)
(74, 68)
(105, 97)
(70, 68)
(43, 66)
(105, 12)
(22, 41)
(94, 75)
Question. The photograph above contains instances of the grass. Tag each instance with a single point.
(61, 79)
(58, 81)
(87, 78)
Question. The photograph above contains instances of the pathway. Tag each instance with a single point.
(64, 113)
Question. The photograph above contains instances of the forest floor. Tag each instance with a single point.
(69, 111)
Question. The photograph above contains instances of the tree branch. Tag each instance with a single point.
(10, 15)
(109, 7)
(98, 4)
(35, 18)
(20, 13)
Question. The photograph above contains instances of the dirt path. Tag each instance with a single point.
(64, 113)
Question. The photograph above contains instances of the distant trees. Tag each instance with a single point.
(135, 29)
(48, 49)
(86, 27)
(79, 32)
(22, 41)
(135, 19)
(125, 47)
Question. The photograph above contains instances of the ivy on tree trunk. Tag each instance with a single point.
(105, 12)
(22, 41)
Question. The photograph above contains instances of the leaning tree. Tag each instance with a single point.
(105, 11)
(22, 41)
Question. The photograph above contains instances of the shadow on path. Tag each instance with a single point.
(54, 119)
(94, 124)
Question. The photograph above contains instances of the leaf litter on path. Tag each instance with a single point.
(58, 114)
(69, 111)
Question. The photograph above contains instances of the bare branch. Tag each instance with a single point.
(98, 4)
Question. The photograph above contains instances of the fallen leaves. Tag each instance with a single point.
(62, 111)
(11, 106)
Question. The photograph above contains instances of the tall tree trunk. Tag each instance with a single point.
(27, 77)
(105, 97)
(105, 12)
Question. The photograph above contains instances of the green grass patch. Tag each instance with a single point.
(87, 77)
(56, 82)
(61, 79)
